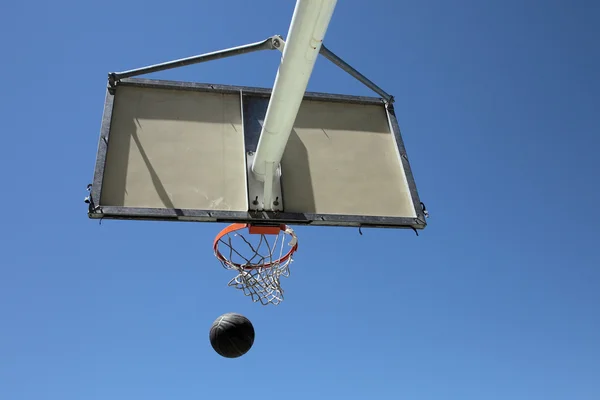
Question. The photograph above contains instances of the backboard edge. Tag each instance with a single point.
(181, 215)
(412, 186)
(232, 89)
(102, 151)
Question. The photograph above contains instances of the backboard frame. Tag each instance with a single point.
(98, 211)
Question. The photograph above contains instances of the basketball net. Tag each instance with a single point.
(261, 256)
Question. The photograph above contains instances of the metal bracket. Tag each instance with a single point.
(256, 189)
(89, 200)
(278, 42)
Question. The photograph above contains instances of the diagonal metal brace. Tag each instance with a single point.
(275, 42)
(328, 54)
(331, 56)
(271, 43)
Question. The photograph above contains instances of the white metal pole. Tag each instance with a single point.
(303, 43)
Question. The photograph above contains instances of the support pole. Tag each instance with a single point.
(303, 43)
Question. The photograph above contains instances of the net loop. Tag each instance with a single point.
(261, 256)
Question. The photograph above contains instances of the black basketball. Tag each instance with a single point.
(232, 335)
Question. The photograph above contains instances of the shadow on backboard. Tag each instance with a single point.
(174, 149)
(160, 188)
(297, 186)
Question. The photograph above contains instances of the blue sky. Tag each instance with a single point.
(497, 299)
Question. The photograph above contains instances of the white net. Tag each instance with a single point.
(260, 261)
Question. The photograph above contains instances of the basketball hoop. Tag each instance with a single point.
(260, 259)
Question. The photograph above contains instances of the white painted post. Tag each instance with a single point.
(303, 43)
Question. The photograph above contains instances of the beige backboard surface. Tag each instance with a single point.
(172, 150)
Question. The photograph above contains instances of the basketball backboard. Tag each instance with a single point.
(260, 159)
(182, 151)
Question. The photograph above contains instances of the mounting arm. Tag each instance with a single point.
(272, 43)
(328, 54)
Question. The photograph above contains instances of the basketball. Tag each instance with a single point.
(231, 335)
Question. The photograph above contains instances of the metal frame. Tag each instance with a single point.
(97, 211)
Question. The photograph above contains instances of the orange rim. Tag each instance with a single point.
(253, 230)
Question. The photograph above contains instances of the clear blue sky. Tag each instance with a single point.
(497, 299)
